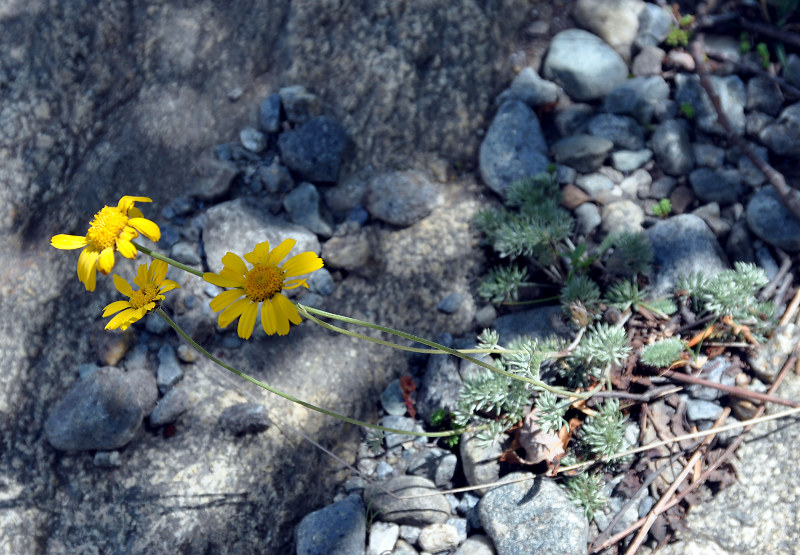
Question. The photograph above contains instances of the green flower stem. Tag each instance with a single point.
(326, 412)
(308, 311)
(167, 259)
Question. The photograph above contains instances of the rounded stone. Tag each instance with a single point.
(768, 217)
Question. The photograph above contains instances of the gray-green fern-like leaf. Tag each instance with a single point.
(604, 434)
(586, 491)
(663, 353)
(551, 412)
(502, 283)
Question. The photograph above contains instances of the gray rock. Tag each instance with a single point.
(394, 439)
(714, 371)
(748, 171)
(514, 147)
(585, 66)
(769, 219)
(239, 225)
(655, 23)
(434, 538)
(636, 184)
(252, 139)
(107, 459)
(769, 360)
(353, 252)
(435, 464)
(702, 410)
(302, 205)
(683, 245)
(169, 369)
(245, 418)
(269, 113)
(585, 153)
(321, 282)
(615, 22)
(299, 104)
(186, 253)
(315, 149)
(756, 122)
(101, 412)
(622, 215)
(392, 399)
(275, 178)
(170, 407)
(212, 178)
(638, 97)
(623, 131)
(588, 216)
(781, 136)
(672, 148)
(440, 386)
(594, 184)
(401, 198)
(339, 528)
(419, 511)
(710, 213)
(348, 194)
(480, 460)
(476, 545)
(630, 160)
(530, 88)
(662, 187)
(739, 246)
(791, 70)
(722, 186)
(533, 516)
(450, 303)
(143, 383)
(764, 95)
(539, 323)
(708, 155)
(647, 63)
(573, 119)
(382, 537)
(732, 95)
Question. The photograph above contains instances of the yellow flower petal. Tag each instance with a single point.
(268, 318)
(303, 263)
(141, 276)
(124, 319)
(68, 242)
(87, 269)
(294, 283)
(234, 264)
(157, 271)
(146, 227)
(280, 321)
(280, 252)
(232, 312)
(122, 286)
(126, 248)
(134, 212)
(126, 202)
(168, 285)
(287, 308)
(259, 253)
(116, 306)
(247, 321)
(222, 281)
(105, 263)
(224, 299)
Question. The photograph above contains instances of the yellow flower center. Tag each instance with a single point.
(262, 283)
(106, 227)
(144, 296)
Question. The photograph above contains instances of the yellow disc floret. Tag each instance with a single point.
(106, 227)
(262, 283)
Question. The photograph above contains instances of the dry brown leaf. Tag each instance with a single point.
(540, 445)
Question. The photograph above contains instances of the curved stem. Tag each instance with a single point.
(308, 311)
(263, 385)
(167, 259)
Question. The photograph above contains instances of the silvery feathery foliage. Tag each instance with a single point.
(580, 289)
(586, 491)
(503, 283)
(626, 294)
(731, 293)
(604, 434)
(602, 346)
(535, 227)
(663, 353)
(551, 412)
(491, 399)
(629, 253)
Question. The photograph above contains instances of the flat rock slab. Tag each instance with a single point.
(420, 511)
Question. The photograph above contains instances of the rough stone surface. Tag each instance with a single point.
(585, 153)
(514, 147)
(533, 516)
(615, 21)
(338, 528)
(401, 198)
(584, 65)
(418, 511)
(99, 412)
(768, 218)
(683, 245)
(672, 148)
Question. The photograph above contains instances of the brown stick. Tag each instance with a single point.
(790, 197)
(729, 389)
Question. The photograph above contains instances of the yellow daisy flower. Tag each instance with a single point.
(262, 283)
(112, 228)
(152, 287)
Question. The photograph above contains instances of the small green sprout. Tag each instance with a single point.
(663, 208)
(687, 110)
